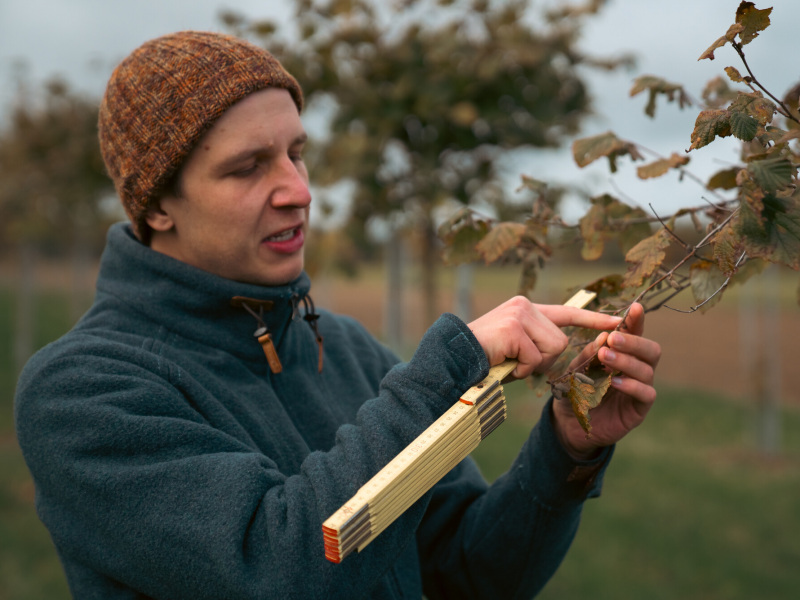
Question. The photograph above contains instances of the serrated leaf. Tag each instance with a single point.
(587, 150)
(592, 225)
(723, 180)
(734, 75)
(661, 166)
(645, 257)
(609, 219)
(773, 174)
(530, 183)
(656, 85)
(709, 125)
(752, 20)
(728, 249)
(717, 93)
(742, 118)
(719, 42)
(706, 280)
(502, 238)
(461, 234)
(770, 228)
(754, 105)
(585, 394)
(607, 288)
(743, 126)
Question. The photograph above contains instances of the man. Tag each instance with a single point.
(190, 435)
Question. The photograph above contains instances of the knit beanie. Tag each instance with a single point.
(163, 97)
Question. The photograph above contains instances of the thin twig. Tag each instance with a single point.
(782, 108)
(712, 296)
(689, 255)
(669, 231)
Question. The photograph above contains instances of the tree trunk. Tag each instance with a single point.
(760, 356)
(430, 261)
(463, 304)
(393, 313)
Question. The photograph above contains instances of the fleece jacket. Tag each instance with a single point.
(171, 461)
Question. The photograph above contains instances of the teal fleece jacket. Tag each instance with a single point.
(170, 462)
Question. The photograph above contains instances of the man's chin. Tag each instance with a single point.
(275, 278)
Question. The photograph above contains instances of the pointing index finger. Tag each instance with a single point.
(567, 316)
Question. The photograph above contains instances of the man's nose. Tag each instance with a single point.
(292, 186)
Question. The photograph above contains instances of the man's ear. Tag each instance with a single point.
(158, 219)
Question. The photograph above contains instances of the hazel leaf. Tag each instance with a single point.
(734, 75)
(645, 257)
(752, 20)
(460, 234)
(661, 166)
(502, 238)
(721, 41)
(770, 228)
(773, 174)
(706, 280)
(709, 125)
(727, 250)
(586, 393)
(587, 150)
(723, 180)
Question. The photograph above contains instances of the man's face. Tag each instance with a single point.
(242, 211)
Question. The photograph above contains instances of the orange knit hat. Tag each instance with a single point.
(164, 96)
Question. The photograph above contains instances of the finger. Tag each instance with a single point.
(568, 316)
(642, 393)
(543, 344)
(528, 360)
(634, 320)
(642, 348)
(589, 350)
(627, 366)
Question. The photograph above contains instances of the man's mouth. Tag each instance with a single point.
(283, 236)
(287, 241)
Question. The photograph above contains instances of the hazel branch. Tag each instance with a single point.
(782, 108)
(691, 254)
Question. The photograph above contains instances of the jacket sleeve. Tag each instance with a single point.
(136, 487)
(506, 540)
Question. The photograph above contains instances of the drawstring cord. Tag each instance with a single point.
(311, 317)
(264, 337)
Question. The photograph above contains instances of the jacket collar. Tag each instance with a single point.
(192, 302)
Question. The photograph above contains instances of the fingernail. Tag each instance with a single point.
(609, 354)
(616, 381)
(616, 339)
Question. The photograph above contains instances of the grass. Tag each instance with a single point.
(29, 567)
(689, 510)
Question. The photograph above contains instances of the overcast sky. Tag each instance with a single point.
(82, 40)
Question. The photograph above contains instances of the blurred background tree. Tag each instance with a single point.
(424, 100)
(52, 191)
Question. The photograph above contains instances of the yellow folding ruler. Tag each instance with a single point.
(421, 464)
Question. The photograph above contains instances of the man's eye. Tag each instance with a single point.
(245, 171)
